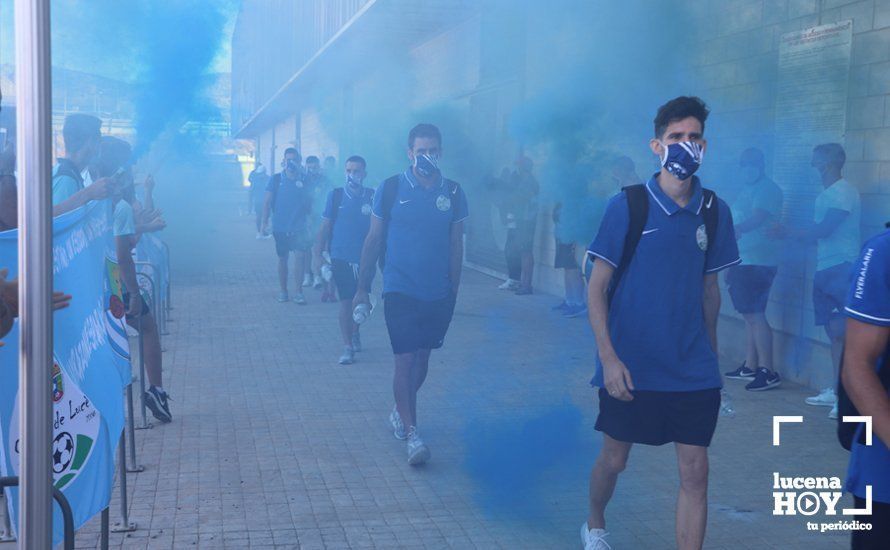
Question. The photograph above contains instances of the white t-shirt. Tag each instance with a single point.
(844, 242)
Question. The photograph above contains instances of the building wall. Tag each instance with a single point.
(474, 86)
(737, 70)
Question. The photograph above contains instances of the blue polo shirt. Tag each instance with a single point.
(655, 318)
(418, 238)
(869, 302)
(351, 223)
(291, 203)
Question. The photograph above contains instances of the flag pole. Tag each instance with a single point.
(34, 143)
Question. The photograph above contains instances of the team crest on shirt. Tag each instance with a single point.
(701, 237)
(443, 203)
(366, 209)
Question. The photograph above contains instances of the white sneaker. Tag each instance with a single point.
(826, 398)
(398, 429)
(594, 539)
(307, 279)
(348, 357)
(418, 452)
(833, 412)
(509, 284)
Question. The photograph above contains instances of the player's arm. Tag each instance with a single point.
(616, 377)
(322, 240)
(368, 263)
(457, 255)
(711, 305)
(864, 347)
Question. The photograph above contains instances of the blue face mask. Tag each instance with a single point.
(426, 165)
(682, 159)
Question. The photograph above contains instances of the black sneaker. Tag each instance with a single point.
(764, 380)
(741, 373)
(156, 400)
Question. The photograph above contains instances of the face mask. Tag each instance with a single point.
(290, 166)
(682, 159)
(426, 165)
(750, 174)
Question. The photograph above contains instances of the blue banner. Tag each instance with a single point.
(91, 365)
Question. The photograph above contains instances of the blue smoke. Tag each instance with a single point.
(166, 52)
(516, 463)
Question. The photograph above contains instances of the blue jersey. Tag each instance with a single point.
(351, 222)
(869, 302)
(656, 318)
(418, 242)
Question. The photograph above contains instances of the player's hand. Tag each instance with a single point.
(361, 297)
(60, 300)
(100, 189)
(616, 379)
(149, 184)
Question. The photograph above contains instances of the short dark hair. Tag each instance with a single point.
(833, 153)
(312, 159)
(678, 109)
(424, 130)
(358, 159)
(80, 129)
(293, 150)
(113, 154)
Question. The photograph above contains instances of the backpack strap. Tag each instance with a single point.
(710, 214)
(389, 188)
(66, 169)
(638, 208)
(336, 201)
(274, 184)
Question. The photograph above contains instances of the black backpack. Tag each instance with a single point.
(66, 168)
(390, 188)
(638, 205)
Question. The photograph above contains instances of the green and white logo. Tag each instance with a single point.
(75, 428)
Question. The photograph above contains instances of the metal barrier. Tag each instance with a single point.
(169, 304)
(67, 516)
(124, 525)
(145, 424)
(6, 534)
(159, 313)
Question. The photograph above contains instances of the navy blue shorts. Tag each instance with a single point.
(659, 417)
(285, 243)
(565, 256)
(830, 287)
(345, 278)
(749, 287)
(416, 324)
